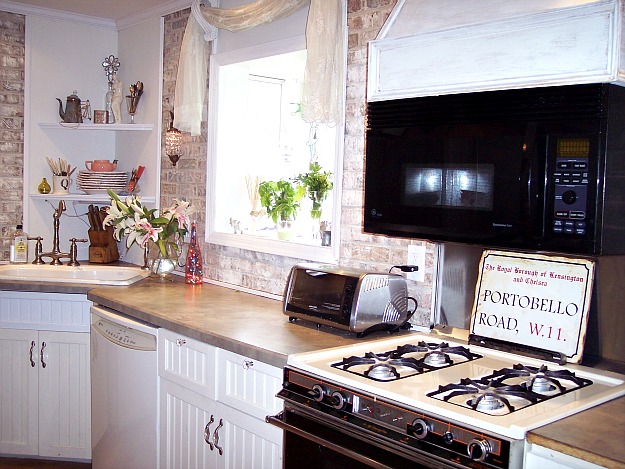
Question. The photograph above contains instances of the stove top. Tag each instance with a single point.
(501, 392)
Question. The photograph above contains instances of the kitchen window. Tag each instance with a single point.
(256, 134)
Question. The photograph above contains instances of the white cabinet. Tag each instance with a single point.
(45, 390)
(212, 407)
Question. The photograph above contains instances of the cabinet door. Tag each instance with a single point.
(187, 423)
(18, 391)
(246, 441)
(64, 395)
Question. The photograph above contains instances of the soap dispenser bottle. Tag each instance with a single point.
(19, 246)
(193, 268)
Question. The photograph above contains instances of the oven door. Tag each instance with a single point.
(314, 441)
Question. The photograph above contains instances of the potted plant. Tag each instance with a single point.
(281, 200)
(317, 184)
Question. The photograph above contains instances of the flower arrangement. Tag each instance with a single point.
(140, 224)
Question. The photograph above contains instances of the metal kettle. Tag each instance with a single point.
(73, 110)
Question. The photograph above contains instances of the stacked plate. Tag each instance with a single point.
(98, 182)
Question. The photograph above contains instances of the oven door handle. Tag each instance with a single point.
(278, 421)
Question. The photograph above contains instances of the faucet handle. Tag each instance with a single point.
(73, 251)
(38, 249)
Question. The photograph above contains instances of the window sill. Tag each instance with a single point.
(273, 246)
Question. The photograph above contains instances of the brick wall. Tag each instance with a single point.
(267, 272)
(11, 124)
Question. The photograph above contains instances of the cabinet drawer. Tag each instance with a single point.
(187, 362)
(248, 385)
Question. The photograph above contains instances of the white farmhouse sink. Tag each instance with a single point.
(91, 274)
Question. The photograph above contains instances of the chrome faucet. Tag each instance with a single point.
(56, 253)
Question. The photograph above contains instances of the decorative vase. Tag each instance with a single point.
(163, 256)
(285, 230)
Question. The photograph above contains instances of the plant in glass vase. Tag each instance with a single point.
(281, 200)
(160, 233)
(317, 184)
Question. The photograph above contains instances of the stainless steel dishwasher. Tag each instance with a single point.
(124, 390)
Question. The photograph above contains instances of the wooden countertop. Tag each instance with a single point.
(593, 435)
(246, 324)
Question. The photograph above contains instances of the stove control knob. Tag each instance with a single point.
(420, 428)
(317, 392)
(338, 400)
(478, 449)
(448, 437)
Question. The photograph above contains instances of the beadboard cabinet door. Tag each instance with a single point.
(19, 389)
(45, 402)
(187, 423)
(64, 395)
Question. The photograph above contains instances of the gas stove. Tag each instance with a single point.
(423, 394)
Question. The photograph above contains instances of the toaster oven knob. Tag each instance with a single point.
(338, 400)
(317, 392)
(478, 449)
(420, 428)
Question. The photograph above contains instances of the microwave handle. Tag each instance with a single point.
(530, 196)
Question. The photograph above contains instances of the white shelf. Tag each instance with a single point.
(99, 127)
(86, 198)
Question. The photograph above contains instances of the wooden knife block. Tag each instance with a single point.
(103, 247)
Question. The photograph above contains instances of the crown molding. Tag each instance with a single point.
(161, 10)
(128, 21)
(29, 10)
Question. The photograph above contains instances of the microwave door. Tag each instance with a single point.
(532, 185)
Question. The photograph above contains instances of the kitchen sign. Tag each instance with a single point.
(534, 300)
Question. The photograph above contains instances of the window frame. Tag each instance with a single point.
(255, 243)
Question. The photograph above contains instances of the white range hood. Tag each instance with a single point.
(432, 47)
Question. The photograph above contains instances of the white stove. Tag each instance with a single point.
(454, 404)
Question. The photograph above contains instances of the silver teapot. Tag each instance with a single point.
(73, 110)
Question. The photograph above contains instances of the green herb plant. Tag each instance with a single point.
(317, 184)
(281, 199)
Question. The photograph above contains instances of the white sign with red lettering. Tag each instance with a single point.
(534, 300)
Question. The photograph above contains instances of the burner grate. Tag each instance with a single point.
(406, 360)
(510, 389)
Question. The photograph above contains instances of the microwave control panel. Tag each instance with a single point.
(570, 179)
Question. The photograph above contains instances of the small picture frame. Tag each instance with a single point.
(100, 117)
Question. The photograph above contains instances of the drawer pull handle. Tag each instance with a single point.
(207, 433)
(247, 364)
(180, 342)
(216, 437)
(32, 346)
(43, 346)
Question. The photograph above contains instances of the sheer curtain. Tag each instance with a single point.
(325, 67)
(322, 95)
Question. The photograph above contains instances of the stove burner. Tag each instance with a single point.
(382, 372)
(485, 402)
(488, 396)
(541, 379)
(437, 359)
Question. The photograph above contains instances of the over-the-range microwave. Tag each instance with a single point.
(539, 169)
